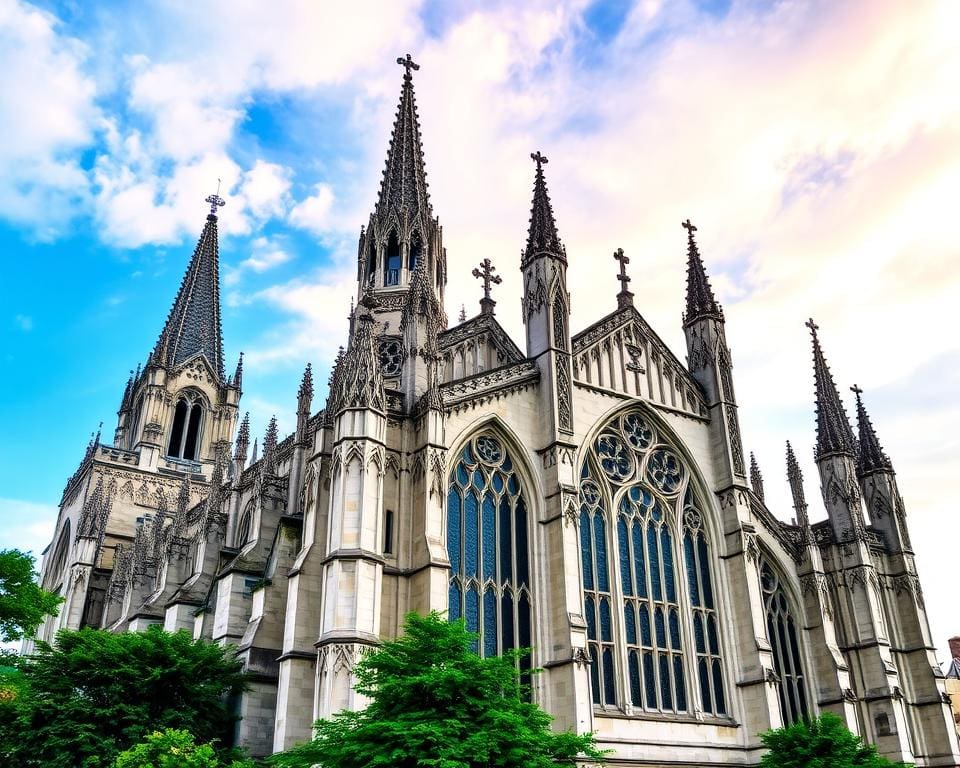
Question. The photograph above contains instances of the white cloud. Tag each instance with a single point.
(315, 213)
(27, 525)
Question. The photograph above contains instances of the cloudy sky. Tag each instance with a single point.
(815, 144)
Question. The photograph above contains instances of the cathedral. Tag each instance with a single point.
(582, 493)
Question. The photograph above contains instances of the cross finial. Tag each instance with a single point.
(856, 390)
(408, 63)
(485, 273)
(813, 327)
(688, 225)
(215, 200)
(625, 297)
(540, 160)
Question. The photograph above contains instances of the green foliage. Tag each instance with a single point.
(94, 693)
(174, 749)
(824, 742)
(435, 703)
(23, 604)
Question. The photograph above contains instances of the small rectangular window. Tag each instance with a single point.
(388, 532)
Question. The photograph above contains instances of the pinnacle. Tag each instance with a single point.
(756, 478)
(871, 456)
(243, 438)
(270, 447)
(542, 236)
(306, 384)
(700, 299)
(795, 479)
(834, 434)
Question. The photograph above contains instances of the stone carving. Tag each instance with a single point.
(736, 446)
(564, 399)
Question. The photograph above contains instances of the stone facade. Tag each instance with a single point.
(587, 495)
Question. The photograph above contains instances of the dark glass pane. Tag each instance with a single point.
(508, 467)
(453, 530)
(479, 481)
(718, 687)
(520, 518)
(497, 482)
(698, 635)
(506, 623)
(674, 630)
(634, 662)
(454, 611)
(595, 672)
(600, 547)
(609, 688)
(802, 695)
(660, 627)
(393, 260)
(679, 684)
(590, 612)
(472, 612)
(468, 456)
(703, 673)
(645, 626)
(176, 434)
(462, 475)
(690, 561)
(630, 623)
(624, 546)
(712, 635)
(649, 680)
(489, 622)
(506, 541)
(193, 433)
(606, 625)
(794, 646)
(639, 558)
(472, 538)
(512, 485)
(666, 695)
(666, 544)
(489, 529)
(586, 554)
(523, 621)
(705, 571)
(653, 559)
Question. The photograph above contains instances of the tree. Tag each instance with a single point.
(174, 749)
(824, 742)
(434, 702)
(23, 604)
(94, 693)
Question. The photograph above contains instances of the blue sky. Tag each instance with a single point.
(815, 144)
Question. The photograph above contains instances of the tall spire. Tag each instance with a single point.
(404, 186)
(269, 466)
(871, 456)
(542, 236)
(243, 439)
(700, 299)
(193, 325)
(795, 478)
(833, 429)
(756, 478)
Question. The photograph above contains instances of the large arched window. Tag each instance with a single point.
(782, 634)
(487, 542)
(392, 275)
(652, 631)
(185, 432)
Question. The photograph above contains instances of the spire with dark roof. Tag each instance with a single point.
(404, 186)
(795, 478)
(542, 236)
(834, 434)
(193, 325)
(756, 478)
(700, 299)
(870, 455)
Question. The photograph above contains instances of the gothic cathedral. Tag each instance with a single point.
(585, 494)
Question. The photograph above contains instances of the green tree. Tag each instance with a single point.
(434, 702)
(824, 742)
(94, 693)
(174, 749)
(23, 604)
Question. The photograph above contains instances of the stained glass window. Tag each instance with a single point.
(487, 546)
(782, 634)
(663, 652)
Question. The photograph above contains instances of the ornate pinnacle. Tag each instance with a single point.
(243, 439)
(485, 273)
(270, 448)
(871, 456)
(542, 236)
(700, 299)
(756, 478)
(834, 434)
(795, 479)
(237, 380)
(625, 297)
(463, 313)
(305, 393)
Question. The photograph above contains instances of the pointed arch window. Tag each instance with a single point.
(392, 275)
(652, 627)
(785, 644)
(416, 251)
(184, 440)
(488, 547)
(372, 261)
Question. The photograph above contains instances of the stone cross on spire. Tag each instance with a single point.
(485, 273)
(215, 201)
(813, 328)
(408, 63)
(625, 297)
(540, 160)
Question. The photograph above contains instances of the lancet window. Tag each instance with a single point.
(652, 626)
(487, 542)
(416, 251)
(783, 636)
(392, 275)
(185, 433)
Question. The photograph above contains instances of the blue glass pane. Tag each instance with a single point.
(634, 662)
(712, 635)
(507, 465)
(454, 544)
(595, 672)
(666, 544)
(653, 555)
(606, 625)
(462, 476)
(649, 680)
(513, 486)
(718, 688)
(471, 539)
(690, 561)
(630, 622)
(704, 675)
(590, 612)
(639, 558)
(468, 455)
(584, 471)
(679, 684)
(506, 623)
(506, 541)
(454, 611)
(645, 626)
(609, 688)
(520, 519)
(624, 545)
(600, 546)
(472, 612)
(498, 481)
(586, 553)
(674, 630)
(660, 627)
(523, 622)
(698, 635)
(479, 481)
(489, 623)
(666, 695)
(704, 559)
(489, 537)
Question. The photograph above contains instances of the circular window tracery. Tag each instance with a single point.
(391, 357)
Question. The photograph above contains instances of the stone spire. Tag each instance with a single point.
(305, 393)
(358, 379)
(463, 313)
(404, 186)
(870, 455)
(795, 479)
(237, 379)
(700, 299)
(542, 236)
(756, 478)
(270, 448)
(243, 439)
(833, 429)
(193, 325)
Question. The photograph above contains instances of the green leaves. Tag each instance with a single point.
(174, 749)
(23, 604)
(434, 703)
(824, 742)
